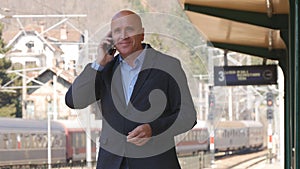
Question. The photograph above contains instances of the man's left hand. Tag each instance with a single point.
(140, 135)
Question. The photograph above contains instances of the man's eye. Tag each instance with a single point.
(117, 31)
(129, 29)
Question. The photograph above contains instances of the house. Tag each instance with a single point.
(50, 96)
(49, 58)
(33, 47)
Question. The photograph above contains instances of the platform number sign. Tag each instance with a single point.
(245, 75)
(221, 76)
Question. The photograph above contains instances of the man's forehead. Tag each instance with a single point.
(126, 17)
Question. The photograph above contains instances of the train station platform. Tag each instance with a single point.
(274, 165)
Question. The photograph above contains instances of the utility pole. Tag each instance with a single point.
(49, 113)
(270, 112)
(55, 112)
(211, 119)
(24, 91)
(88, 129)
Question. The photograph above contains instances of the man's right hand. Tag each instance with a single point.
(103, 57)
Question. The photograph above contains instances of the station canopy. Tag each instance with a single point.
(256, 27)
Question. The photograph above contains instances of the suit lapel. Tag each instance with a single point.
(113, 81)
(144, 73)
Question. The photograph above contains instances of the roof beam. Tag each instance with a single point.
(277, 21)
(274, 54)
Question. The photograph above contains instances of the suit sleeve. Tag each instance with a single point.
(82, 92)
(182, 114)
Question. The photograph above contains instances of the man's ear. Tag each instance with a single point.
(143, 34)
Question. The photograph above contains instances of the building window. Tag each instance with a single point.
(29, 45)
(30, 109)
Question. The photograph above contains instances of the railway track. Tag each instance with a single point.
(240, 161)
(249, 163)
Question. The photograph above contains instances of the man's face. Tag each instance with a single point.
(127, 34)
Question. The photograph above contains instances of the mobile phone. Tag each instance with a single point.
(110, 49)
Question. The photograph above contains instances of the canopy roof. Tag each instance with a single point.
(249, 26)
(278, 6)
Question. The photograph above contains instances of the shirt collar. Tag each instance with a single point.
(139, 60)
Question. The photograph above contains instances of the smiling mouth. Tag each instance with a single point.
(126, 43)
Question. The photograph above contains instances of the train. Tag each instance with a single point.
(225, 136)
(24, 142)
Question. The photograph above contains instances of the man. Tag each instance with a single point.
(144, 99)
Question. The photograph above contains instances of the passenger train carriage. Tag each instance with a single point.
(76, 140)
(228, 136)
(25, 142)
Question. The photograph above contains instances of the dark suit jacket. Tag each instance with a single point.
(160, 97)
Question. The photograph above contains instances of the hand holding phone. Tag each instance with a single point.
(111, 49)
(109, 45)
(106, 50)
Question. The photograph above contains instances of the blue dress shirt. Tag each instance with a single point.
(129, 74)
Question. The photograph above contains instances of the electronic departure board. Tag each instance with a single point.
(245, 75)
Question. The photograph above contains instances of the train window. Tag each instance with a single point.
(41, 140)
(228, 133)
(75, 142)
(190, 136)
(242, 133)
(232, 131)
(27, 141)
(3, 141)
(195, 133)
(220, 133)
(193, 136)
(203, 135)
(198, 135)
(180, 137)
(79, 140)
(33, 138)
(185, 137)
(6, 141)
(13, 138)
(83, 140)
(57, 141)
(236, 133)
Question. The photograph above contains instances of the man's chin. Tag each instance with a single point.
(125, 52)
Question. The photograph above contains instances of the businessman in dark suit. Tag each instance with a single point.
(144, 99)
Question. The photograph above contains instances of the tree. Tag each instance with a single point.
(9, 99)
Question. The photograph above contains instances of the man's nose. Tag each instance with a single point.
(124, 34)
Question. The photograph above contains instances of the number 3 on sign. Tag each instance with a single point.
(221, 76)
